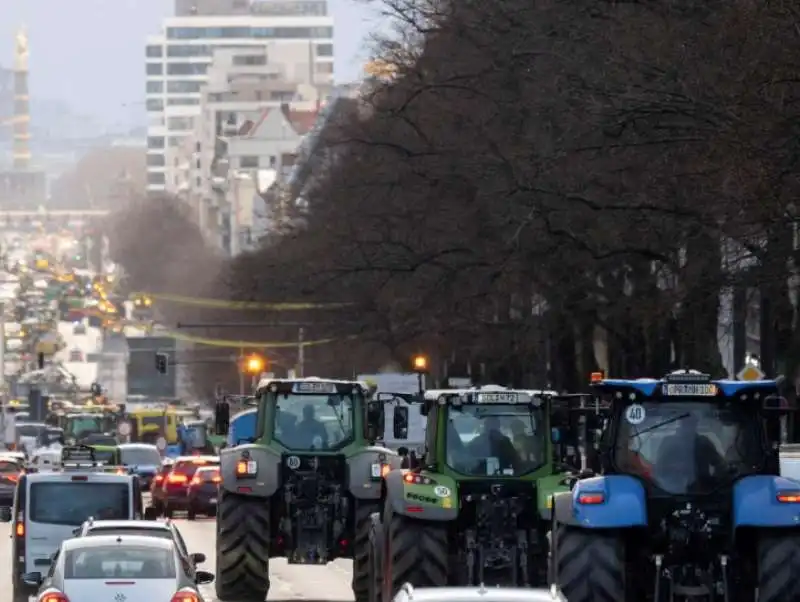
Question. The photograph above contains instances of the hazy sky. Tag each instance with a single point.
(90, 53)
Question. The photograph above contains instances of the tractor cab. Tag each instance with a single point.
(687, 435)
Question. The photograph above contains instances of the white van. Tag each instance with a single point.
(49, 507)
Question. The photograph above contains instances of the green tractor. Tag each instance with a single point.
(305, 488)
(476, 509)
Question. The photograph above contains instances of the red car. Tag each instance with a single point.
(173, 492)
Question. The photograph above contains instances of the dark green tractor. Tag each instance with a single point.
(305, 488)
(477, 508)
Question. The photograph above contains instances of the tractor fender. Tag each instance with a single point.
(622, 503)
(361, 483)
(755, 502)
(396, 498)
(562, 508)
(267, 478)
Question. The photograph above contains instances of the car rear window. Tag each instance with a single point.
(29, 430)
(207, 475)
(8, 466)
(68, 503)
(189, 467)
(161, 533)
(120, 562)
(140, 455)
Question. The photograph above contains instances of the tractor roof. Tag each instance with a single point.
(312, 385)
(486, 394)
(688, 384)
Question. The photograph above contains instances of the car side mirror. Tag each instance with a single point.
(32, 579)
(198, 557)
(150, 513)
(203, 577)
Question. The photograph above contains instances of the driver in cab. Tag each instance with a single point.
(688, 461)
(493, 444)
(310, 433)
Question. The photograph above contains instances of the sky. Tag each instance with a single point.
(72, 41)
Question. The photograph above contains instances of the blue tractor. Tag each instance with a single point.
(690, 505)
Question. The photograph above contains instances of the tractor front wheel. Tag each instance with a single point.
(243, 535)
(417, 554)
(589, 565)
(778, 567)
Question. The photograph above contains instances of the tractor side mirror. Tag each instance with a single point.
(374, 421)
(222, 417)
(400, 426)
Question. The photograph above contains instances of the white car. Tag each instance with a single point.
(129, 568)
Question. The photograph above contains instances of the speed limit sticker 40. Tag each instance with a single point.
(635, 414)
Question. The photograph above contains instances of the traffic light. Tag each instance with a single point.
(254, 364)
(162, 363)
(420, 363)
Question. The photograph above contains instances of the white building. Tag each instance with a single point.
(296, 37)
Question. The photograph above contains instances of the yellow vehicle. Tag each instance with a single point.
(149, 424)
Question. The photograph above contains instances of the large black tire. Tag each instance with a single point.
(778, 567)
(589, 565)
(419, 553)
(375, 564)
(243, 535)
(363, 522)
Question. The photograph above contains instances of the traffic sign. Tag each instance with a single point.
(750, 372)
(161, 444)
(124, 429)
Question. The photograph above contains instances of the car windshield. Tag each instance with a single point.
(495, 439)
(120, 562)
(82, 426)
(688, 447)
(136, 456)
(310, 422)
(68, 503)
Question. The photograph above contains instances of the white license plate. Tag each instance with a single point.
(213, 500)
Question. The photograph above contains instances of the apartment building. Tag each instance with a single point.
(251, 121)
(293, 37)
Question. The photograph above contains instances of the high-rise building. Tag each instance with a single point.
(297, 36)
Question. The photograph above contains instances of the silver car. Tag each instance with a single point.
(129, 568)
(472, 593)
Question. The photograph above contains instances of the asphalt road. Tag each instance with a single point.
(312, 583)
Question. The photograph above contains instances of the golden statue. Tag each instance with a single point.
(21, 53)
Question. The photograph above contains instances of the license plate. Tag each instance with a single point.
(704, 390)
(213, 500)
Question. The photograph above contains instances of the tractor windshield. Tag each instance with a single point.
(314, 422)
(496, 439)
(81, 425)
(688, 447)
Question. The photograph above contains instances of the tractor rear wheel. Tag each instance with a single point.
(363, 523)
(243, 534)
(589, 566)
(778, 567)
(418, 553)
